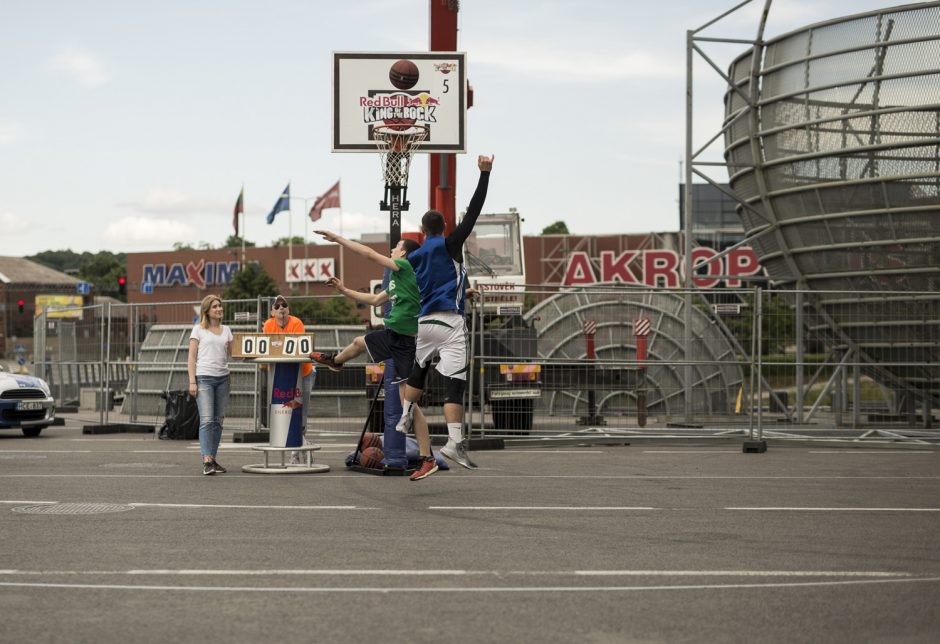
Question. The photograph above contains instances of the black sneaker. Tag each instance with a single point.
(218, 468)
(208, 467)
(328, 360)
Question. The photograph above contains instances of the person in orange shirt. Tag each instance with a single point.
(281, 321)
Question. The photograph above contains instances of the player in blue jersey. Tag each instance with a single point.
(442, 329)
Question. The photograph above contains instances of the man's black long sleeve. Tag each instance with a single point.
(455, 240)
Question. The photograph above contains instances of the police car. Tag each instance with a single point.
(25, 402)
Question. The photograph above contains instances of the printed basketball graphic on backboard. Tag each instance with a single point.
(399, 90)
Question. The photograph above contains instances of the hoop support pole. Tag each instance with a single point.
(395, 202)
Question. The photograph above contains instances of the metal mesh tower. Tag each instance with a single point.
(833, 143)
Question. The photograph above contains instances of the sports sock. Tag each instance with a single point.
(406, 407)
(454, 432)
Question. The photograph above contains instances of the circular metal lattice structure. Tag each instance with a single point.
(716, 374)
(833, 141)
(72, 508)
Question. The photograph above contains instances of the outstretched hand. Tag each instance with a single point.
(485, 163)
(335, 282)
(326, 234)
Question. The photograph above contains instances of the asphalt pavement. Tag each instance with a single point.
(120, 538)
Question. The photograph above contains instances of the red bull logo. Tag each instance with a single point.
(411, 106)
(286, 393)
(291, 404)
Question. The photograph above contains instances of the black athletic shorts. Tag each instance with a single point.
(385, 343)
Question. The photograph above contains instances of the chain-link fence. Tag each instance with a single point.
(573, 362)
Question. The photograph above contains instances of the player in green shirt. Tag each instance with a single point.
(397, 339)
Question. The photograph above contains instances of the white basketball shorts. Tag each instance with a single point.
(444, 335)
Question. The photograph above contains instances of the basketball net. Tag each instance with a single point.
(396, 145)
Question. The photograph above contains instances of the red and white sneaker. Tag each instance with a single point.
(328, 360)
(428, 467)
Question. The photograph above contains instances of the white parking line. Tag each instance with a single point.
(46, 451)
(249, 507)
(512, 451)
(880, 452)
(796, 509)
(385, 590)
(538, 508)
(691, 451)
(267, 572)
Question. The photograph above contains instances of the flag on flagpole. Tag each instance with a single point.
(329, 199)
(283, 203)
(239, 208)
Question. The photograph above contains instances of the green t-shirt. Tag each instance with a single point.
(403, 294)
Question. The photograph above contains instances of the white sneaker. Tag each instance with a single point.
(457, 453)
(406, 422)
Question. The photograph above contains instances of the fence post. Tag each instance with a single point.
(641, 328)
(589, 329)
(758, 445)
(800, 356)
(106, 365)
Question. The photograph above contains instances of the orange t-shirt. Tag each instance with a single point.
(294, 325)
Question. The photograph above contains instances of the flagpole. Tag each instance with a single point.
(342, 255)
(290, 232)
(243, 226)
(306, 243)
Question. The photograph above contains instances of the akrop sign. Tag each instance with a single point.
(661, 267)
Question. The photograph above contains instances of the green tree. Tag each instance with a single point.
(66, 261)
(778, 328)
(333, 310)
(234, 241)
(557, 228)
(182, 246)
(287, 241)
(250, 282)
(102, 271)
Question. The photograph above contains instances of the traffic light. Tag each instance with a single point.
(122, 285)
(19, 304)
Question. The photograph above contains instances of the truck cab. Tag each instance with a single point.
(506, 347)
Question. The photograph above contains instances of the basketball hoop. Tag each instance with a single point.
(396, 145)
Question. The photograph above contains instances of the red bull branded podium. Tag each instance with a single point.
(283, 353)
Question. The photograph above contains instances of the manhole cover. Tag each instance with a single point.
(25, 457)
(72, 508)
(137, 465)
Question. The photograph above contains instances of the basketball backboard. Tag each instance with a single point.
(399, 88)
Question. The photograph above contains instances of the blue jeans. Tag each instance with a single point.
(211, 399)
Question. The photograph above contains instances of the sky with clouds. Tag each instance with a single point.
(129, 126)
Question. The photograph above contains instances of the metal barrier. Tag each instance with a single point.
(607, 360)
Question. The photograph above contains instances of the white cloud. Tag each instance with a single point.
(10, 132)
(10, 223)
(160, 201)
(575, 66)
(355, 224)
(81, 65)
(151, 232)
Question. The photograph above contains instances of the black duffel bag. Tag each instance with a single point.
(182, 416)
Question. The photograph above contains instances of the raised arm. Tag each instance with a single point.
(455, 240)
(360, 249)
(372, 299)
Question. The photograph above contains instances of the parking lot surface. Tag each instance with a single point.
(119, 537)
